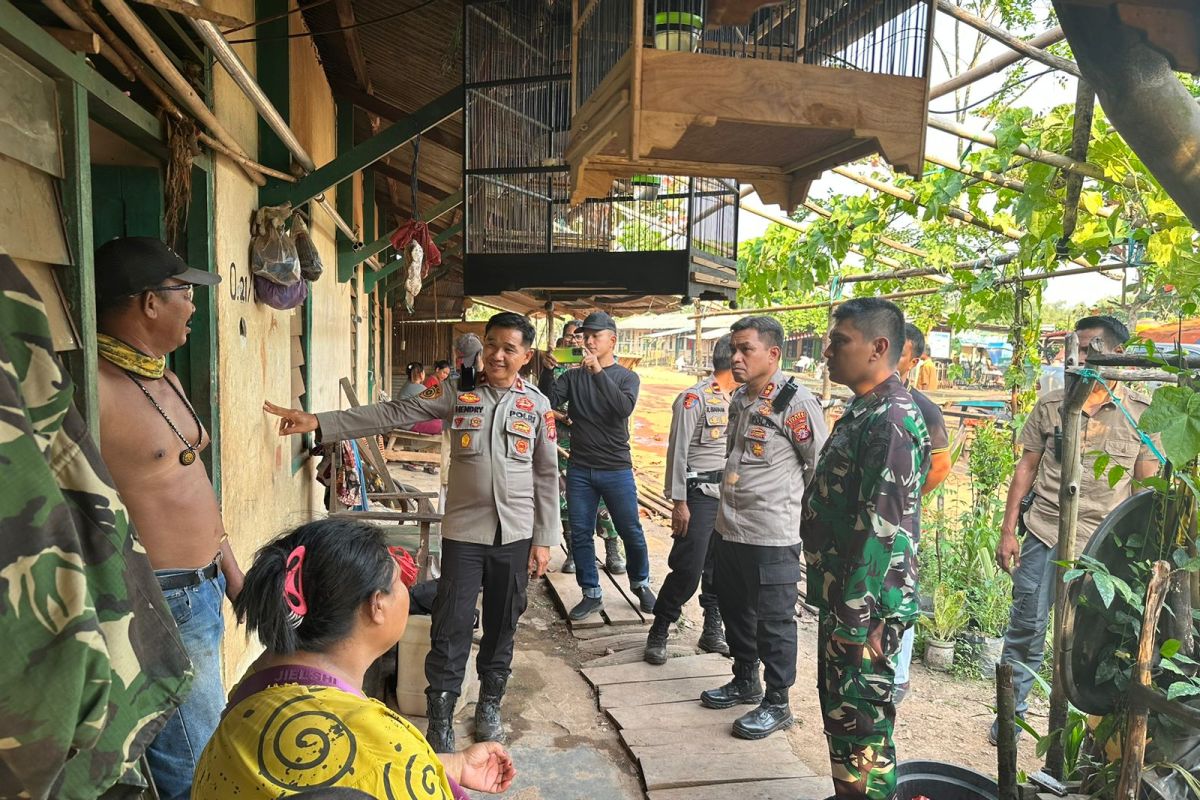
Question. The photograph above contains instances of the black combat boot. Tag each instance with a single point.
(773, 714)
(440, 707)
(488, 725)
(712, 640)
(744, 689)
(614, 561)
(569, 565)
(656, 642)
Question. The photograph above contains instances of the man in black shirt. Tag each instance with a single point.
(602, 395)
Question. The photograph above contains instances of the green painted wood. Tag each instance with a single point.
(361, 156)
(383, 242)
(130, 203)
(203, 346)
(445, 235)
(368, 231)
(345, 193)
(274, 76)
(108, 104)
(80, 277)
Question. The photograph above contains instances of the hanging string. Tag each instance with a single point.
(1093, 375)
(413, 174)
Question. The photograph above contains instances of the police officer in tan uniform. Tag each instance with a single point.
(775, 431)
(695, 459)
(501, 516)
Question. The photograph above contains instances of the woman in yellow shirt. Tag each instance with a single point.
(326, 600)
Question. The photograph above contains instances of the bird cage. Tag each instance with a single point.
(769, 94)
(645, 234)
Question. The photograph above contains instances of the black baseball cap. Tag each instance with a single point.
(598, 321)
(132, 264)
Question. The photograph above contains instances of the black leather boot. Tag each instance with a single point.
(614, 561)
(712, 640)
(568, 565)
(773, 714)
(744, 689)
(488, 725)
(440, 734)
(656, 642)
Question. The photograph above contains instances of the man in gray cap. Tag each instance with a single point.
(602, 394)
(151, 439)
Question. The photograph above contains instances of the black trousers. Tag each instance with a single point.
(690, 561)
(756, 588)
(503, 572)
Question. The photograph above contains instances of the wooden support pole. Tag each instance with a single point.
(892, 243)
(807, 306)
(1065, 163)
(1133, 749)
(1006, 741)
(1076, 393)
(1041, 41)
(76, 41)
(195, 12)
(243, 161)
(1081, 137)
(987, 176)
(1007, 39)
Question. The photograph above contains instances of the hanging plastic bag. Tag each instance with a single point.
(310, 260)
(272, 253)
(280, 297)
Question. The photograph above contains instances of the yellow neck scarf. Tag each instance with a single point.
(130, 359)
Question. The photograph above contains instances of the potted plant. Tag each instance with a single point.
(991, 601)
(947, 621)
(678, 30)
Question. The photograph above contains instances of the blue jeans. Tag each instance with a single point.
(1033, 598)
(175, 751)
(585, 488)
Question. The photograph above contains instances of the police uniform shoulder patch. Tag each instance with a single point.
(519, 385)
(468, 397)
(433, 392)
(551, 425)
(798, 424)
(524, 403)
(690, 399)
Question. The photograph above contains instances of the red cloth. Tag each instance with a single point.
(415, 229)
(430, 382)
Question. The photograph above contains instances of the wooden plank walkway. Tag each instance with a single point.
(685, 751)
(620, 606)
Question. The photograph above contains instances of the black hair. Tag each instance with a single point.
(769, 329)
(413, 369)
(875, 318)
(441, 364)
(913, 335)
(1115, 332)
(571, 323)
(723, 354)
(516, 322)
(345, 562)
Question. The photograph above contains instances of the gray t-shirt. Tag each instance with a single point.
(411, 389)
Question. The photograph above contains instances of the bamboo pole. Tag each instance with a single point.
(1133, 749)
(245, 162)
(1007, 39)
(195, 12)
(1086, 169)
(892, 243)
(75, 22)
(823, 304)
(145, 42)
(1042, 40)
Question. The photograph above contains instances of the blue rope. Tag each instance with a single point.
(1093, 375)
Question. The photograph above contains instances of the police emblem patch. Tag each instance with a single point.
(757, 449)
(551, 426)
(767, 390)
(759, 434)
(765, 409)
(715, 433)
(476, 422)
(465, 441)
(433, 392)
(521, 426)
(690, 400)
(458, 422)
(524, 403)
(468, 397)
(798, 424)
(521, 446)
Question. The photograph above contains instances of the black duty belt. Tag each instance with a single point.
(185, 580)
(695, 479)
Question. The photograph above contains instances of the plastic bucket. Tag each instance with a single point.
(678, 30)
(941, 781)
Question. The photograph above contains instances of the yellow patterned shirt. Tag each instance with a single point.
(291, 738)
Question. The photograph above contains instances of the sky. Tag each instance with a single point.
(1044, 93)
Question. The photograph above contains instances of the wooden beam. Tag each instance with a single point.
(195, 11)
(76, 41)
(1007, 39)
(367, 153)
(1042, 40)
(345, 15)
(446, 206)
(404, 177)
(389, 111)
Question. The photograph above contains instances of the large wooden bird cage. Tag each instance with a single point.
(653, 234)
(791, 89)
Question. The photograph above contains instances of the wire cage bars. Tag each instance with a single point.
(517, 74)
(885, 37)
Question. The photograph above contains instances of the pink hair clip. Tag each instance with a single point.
(293, 587)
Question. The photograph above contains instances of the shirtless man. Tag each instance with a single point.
(151, 440)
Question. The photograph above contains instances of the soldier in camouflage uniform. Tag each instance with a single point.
(94, 665)
(860, 512)
(614, 562)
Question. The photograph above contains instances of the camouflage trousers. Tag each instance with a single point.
(605, 528)
(855, 685)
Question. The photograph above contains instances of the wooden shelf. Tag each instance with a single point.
(773, 124)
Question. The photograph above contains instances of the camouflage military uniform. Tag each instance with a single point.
(93, 665)
(605, 528)
(861, 508)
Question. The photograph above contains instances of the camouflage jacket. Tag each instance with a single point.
(93, 665)
(861, 509)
